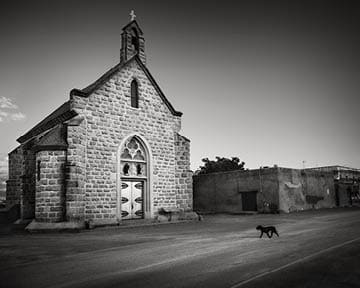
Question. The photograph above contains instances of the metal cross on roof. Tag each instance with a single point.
(132, 15)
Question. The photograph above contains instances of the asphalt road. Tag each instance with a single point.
(315, 249)
(335, 267)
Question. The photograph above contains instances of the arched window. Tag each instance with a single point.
(135, 40)
(133, 159)
(134, 94)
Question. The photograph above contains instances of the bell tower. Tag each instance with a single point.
(132, 41)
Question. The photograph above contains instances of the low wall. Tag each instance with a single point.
(223, 192)
(277, 189)
(305, 189)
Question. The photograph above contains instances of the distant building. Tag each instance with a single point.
(2, 190)
(111, 152)
(276, 189)
(3, 178)
(346, 181)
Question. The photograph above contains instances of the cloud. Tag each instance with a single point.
(3, 168)
(17, 116)
(3, 115)
(7, 103)
(4, 163)
(6, 111)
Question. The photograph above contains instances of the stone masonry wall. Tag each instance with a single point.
(183, 174)
(75, 172)
(50, 186)
(109, 118)
(14, 183)
(28, 183)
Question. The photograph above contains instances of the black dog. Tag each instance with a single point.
(269, 230)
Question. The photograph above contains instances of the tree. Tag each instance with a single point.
(221, 164)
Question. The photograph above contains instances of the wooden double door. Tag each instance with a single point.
(132, 198)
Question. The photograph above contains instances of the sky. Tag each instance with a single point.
(270, 82)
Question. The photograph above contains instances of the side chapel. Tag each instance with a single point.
(111, 152)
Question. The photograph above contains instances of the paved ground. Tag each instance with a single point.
(315, 249)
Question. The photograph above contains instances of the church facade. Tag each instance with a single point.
(112, 152)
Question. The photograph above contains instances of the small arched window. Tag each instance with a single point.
(38, 170)
(135, 40)
(134, 94)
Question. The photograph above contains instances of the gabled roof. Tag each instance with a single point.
(133, 23)
(64, 112)
(60, 115)
(95, 85)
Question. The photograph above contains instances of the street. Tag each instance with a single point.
(315, 249)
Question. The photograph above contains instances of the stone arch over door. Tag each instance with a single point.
(134, 171)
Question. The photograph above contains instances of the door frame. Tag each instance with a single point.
(148, 187)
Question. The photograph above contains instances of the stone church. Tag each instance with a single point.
(111, 152)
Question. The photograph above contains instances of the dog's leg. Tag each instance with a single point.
(261, 234)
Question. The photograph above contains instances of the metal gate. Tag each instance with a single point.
(132, 199)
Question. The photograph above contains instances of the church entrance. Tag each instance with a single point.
(134, 188)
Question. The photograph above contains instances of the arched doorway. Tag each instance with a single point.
(134, 201)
